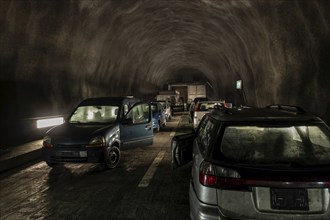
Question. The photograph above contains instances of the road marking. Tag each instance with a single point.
(172, 134)
(151, 171)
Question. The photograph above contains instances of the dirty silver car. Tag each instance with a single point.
(269, 163)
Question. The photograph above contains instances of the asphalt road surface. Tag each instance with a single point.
(143, 186)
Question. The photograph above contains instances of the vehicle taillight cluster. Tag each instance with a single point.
(196, 107)
(224, 178)
(207, 174)
(220, 177)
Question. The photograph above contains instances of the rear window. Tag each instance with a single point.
(302, 145)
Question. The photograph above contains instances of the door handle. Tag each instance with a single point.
(148, 127)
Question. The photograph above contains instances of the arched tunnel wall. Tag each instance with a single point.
(55, 53)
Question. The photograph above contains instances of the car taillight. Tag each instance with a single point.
(196, 110)
(220, 177)
(196, 107)
(225, 178)
(207, 174)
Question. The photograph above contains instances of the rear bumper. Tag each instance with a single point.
(202, 211)
(240, 209)
(178, 108)
(74, 155)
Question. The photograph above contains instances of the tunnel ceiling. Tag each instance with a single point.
(76, 49)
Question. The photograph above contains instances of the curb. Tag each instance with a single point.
(20, 160)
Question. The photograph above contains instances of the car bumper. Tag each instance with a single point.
(202, 211)
(239, 210)
(178, 108)
(75, 155)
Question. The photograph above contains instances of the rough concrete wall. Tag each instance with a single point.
(54, 53)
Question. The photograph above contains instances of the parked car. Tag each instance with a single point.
(179, 105)
(192, 106)
(167, 108)
(203, 107)
(265, 163)
(97, 130)
(158, 115)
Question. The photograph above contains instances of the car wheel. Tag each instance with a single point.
(111, 157)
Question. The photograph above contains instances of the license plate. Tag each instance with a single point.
(72, 153)
(289, 199)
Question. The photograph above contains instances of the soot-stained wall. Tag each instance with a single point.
(55, 53)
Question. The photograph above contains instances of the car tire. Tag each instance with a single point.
(111, 157)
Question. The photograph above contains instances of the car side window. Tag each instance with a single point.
(139, 113)
(206, 135)
(125, 109)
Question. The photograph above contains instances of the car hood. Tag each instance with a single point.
(77, 133)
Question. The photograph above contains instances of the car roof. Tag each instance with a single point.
(108, 101)
(267, 114)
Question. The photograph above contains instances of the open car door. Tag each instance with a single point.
(136, 129)
(181, 149)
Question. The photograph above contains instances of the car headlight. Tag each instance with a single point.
(98, 141)
(47, 141)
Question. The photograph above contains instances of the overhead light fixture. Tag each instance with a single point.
(48, 122)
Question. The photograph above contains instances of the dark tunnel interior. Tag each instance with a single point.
(53, 54)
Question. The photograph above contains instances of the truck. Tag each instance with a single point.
(173, 97)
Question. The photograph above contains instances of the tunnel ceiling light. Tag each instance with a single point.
(48, 122)
(239, 84)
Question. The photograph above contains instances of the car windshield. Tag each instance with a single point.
(254, 145)
(94, 114)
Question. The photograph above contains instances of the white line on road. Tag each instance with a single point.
(151, 171)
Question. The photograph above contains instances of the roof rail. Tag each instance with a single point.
(291, 108)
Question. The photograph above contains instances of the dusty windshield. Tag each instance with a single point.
(95, 114)
(299, 145)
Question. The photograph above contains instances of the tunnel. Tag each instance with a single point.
(53, 54)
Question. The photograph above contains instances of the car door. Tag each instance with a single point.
(136, 126)
(162, 114)
(181, 149)
(182, 146)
